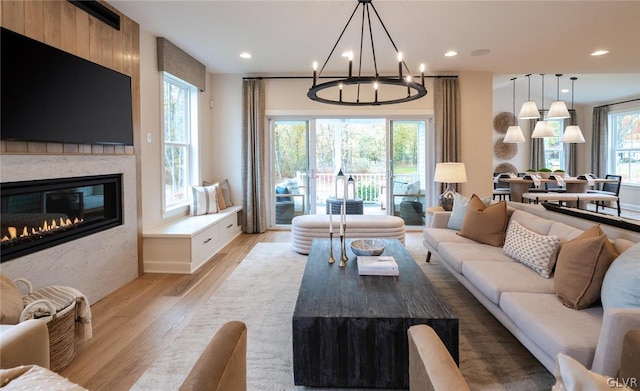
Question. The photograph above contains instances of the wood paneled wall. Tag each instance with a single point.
(62, 25)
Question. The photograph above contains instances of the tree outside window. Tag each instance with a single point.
(624, 128)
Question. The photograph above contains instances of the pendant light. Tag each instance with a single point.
(572, 134)
(529, 109)
(542, 128)
(558, 109)
(514, 133)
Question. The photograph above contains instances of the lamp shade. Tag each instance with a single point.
(558, 110)
(514, 135)
(572, 134)
(542, 129)
(450, 173)
(529, 110)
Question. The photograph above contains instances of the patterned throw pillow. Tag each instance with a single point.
(205, 200)
(531, 249)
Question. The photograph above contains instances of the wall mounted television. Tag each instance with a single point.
(50, 95)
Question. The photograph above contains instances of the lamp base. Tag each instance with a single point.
(446, 198)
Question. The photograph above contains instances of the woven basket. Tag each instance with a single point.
(62, 348)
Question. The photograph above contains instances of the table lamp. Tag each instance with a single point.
(449, 173)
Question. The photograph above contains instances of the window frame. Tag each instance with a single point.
(191, 144)
(614, 151)
(560, 146)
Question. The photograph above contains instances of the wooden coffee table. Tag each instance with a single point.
(351, 330)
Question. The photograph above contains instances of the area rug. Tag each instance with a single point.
(262, 292)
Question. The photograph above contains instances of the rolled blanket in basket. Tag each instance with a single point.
(61, 297)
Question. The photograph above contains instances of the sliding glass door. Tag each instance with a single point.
(407, 197)
(386, 158)
(290, 170)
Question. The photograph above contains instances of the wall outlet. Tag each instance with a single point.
(148, 137)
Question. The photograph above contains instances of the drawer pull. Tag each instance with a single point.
(230, 225)
(208, 240)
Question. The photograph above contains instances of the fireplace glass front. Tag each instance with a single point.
(44, 213)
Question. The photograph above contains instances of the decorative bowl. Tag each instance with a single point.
(367, 247)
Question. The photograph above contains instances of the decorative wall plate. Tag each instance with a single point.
(502, 121)
(505, 168)
(504, 151)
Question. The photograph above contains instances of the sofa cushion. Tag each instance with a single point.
(485, 224)
(460, 206)
(455, 254)
(436, 236)
(553, 327)
(494, 278)
(11, 301)
(621, 284)
(582, 264)
(532, 222)
(531, 249)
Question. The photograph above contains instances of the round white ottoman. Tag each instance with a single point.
(308, 227)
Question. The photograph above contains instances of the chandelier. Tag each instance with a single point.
(399, 89)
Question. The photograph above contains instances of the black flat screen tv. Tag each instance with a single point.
(53, 96)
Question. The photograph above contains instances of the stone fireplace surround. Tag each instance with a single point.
(97, 264)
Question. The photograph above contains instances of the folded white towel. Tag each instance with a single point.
(560, 180)
(536, 180)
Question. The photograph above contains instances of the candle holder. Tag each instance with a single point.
(332, 260)
(343, 250)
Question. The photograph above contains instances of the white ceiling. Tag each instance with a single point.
(285, 37)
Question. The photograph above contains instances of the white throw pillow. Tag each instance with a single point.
(460, 205)
(531, 249)
(573, 376)
(204, 200)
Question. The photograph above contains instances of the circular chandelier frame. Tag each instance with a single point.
(414, 90)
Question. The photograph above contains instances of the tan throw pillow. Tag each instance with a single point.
(11, 301)
(221, 204)
(582, 264)
(531, 249)
(485, 224)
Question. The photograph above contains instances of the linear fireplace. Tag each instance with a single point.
(36, 215)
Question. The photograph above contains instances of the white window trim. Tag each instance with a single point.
(611, 154)
(192, 150)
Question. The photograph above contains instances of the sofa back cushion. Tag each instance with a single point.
(532, 222)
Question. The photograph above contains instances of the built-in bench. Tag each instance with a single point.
(185, 244)
(598, 198)
(306, 228)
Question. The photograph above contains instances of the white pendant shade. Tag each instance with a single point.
(558, 110)
(514, 135)
(572, 134)
(542, 129)
(529, 110)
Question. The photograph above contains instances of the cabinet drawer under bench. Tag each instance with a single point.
(185, 244)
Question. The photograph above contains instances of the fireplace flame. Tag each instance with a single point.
(45, 227)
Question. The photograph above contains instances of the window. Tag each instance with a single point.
(624, 130)
(180, 141)
(553, 147)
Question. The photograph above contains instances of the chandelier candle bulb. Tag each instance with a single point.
(315, 72)
(422, 73)
(400, 65)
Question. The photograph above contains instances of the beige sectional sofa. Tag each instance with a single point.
(525, 302)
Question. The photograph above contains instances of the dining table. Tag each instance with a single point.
(519, 186)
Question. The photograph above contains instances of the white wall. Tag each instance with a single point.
(151, 125)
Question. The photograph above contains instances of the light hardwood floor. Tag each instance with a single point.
(134, 324)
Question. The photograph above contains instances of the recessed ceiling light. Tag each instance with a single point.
(451, 53)
(245, 55)
(564, 90)
(480, 52)
(599, 52)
